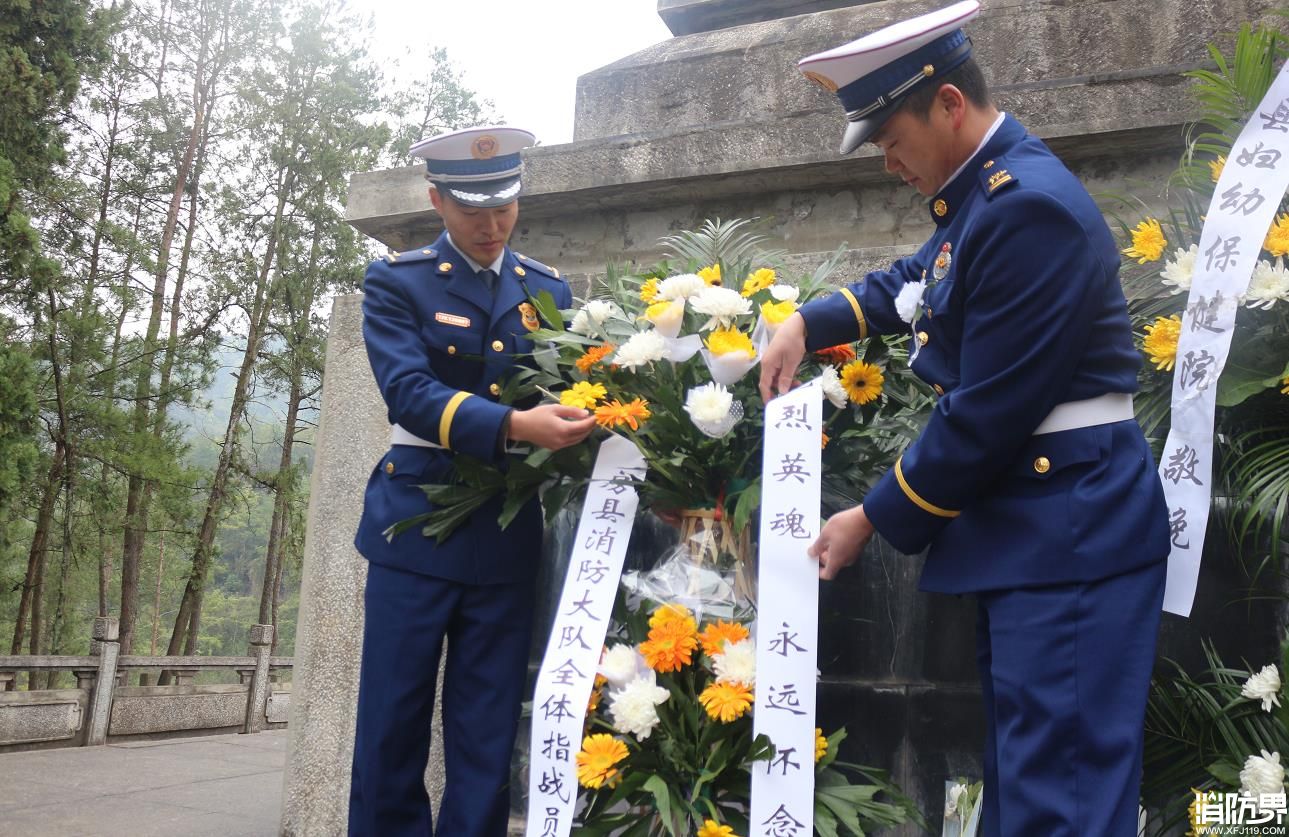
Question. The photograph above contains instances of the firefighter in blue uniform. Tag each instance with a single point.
(1031, 484)
(442, 325)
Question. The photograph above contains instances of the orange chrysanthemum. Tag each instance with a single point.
(598, 759)
(594, 355)
(715, 635)
(837, 355)
(671, 645)
(597, 691)
(824, 439)
(726, 702)
(616, 414)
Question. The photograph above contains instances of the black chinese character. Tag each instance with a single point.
(1195, 369)
(564, 674)
(785, 641)
(1181, 465)
(1204, 313)
(621, 481)
(1177, 526)
(552, 784)
(601, 542)
(581, 605)
(1278, 119)
(790, 523)
(1223, 252)
(609, 511)
(1246, 202)
(550, 827)
(1259, 158)
(556, 747)
(556, 709)
(794, 417)
(592, 570)
(785, 697)
(782, 824)
(793, 466)
(570, 634)
(783, 760)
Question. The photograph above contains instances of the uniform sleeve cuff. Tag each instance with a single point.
(902, 516)
(471, 424)
(834, 320)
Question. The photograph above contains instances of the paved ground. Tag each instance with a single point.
(225, 785)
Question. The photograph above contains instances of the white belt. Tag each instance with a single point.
(400, 436)
(1104, 409)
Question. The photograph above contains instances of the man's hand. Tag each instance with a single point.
(552, 426)
(841, 541)
(782, 357)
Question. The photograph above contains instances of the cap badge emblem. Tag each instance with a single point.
(484, 148)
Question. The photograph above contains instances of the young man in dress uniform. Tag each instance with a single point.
(442, 325)
(1031, 484)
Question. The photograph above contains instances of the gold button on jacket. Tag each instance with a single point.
(389, 467)
(1042, 465)
(923, 337)
(497, 345)
(494, 389)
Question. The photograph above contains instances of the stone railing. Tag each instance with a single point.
(102, 707)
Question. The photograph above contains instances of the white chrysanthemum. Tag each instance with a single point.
(1180, 269)
(642, 348)
(623, 663)
(833, 390)
(709, 403)
(909, 300)
(736, 663)
(1270, 284)
(1263, 686)
(721, 304)
(680, 287)
(634, 707)
(784, 293)
(594, 314)
(951, 804)
(1262, 774)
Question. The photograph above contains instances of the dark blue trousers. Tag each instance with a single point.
(1065, 672)
(488, 628)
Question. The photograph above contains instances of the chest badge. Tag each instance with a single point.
(452, 319)
(943, 262)
(528, 315)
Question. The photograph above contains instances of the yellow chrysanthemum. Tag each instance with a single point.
(670, 646)
(649, 290)
(758, 281)
(711, 828)
(726, 702)
(777, 312)
(583, 394)
(711, 274)
(1148, 242)
(598, 759)
(863, 381)
(616, 414)
(821, 745)
(716, 634)
(1215, 167)
(1160, 344)
(592, 356)
(670, 612)
(722, 341)
(1277, 243)
(1285, 381)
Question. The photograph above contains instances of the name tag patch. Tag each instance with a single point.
(452, 319)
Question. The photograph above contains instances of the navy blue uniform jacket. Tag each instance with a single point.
(1027, 314)
(441, 347)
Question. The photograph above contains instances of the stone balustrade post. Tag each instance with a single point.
(106, 646)
(257, 696)
(85, 678)
(6, 680)
(184, 676)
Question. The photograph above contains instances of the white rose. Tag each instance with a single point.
(736, 663)
(833, 390)
(623, 663)
(909, 300)
(593, 315)
(709, 403)
(634, 707)
(1263, 686)
(680, 287)
(783, 293)
(1270, 284)
(1262, 774)
(642, 348)
(721, 304)
(1180, 269)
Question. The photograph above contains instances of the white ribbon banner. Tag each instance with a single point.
(783, 789)
(1244, 204)
(573, 651)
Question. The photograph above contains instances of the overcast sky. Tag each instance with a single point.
(524, 55)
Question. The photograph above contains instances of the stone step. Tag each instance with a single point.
(1035, 51)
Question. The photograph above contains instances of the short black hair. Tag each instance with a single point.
(967, 77)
